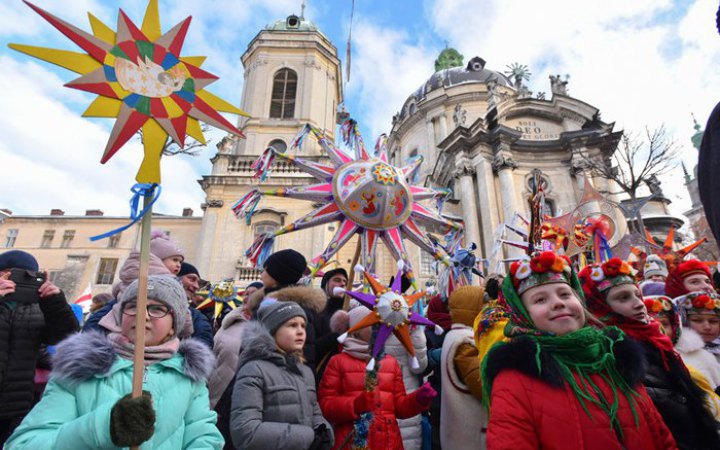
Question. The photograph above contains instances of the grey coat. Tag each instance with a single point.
(274, 402)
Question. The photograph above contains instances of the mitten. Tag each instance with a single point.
(425, 394)
(132, 420)
(322, 440)
(364, 402)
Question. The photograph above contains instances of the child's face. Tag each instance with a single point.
(706, 324)
(554, 308)
(666, 325)
(364, 334)
(290, 337)
(158, 322)
(659, 278)
(698, 282)
(267, 280)
(626, 300)
(173, 263)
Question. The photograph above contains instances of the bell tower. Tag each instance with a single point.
(292, 77)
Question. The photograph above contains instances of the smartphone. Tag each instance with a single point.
(27, 283)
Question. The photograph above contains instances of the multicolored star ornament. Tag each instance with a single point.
(391, 311)
(220, 295)
(140, 79)
(365, 193)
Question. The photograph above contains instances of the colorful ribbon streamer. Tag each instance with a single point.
(139, 191)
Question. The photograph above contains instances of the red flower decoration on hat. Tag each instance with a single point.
(611, 267)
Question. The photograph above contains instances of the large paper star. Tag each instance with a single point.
(140, 79)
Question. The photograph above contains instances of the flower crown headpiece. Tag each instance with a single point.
(611, 273)
(658, 304)
(543, 268)
(699, 302)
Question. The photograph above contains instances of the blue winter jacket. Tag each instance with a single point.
(89, 377)
(202, 330)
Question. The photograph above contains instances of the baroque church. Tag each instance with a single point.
(481, 133)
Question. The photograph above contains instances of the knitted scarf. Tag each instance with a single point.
(578, 355)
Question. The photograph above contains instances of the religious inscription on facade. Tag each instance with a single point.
(533, 130)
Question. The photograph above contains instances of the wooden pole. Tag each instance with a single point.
(351, 278)
(139, 355)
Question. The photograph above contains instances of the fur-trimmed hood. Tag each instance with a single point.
(86, 355)
(308, 297)
(689, 341)
(519, 354)
(258, 344)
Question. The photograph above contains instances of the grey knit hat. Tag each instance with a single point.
(272, 314)
(165, 289)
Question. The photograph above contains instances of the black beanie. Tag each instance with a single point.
(187, 269)
(286, 266)
(331, 273)
(18, 259)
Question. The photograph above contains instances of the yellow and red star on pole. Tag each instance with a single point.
(140, 79)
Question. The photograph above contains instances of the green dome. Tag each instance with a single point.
(292, 23)
(447, 59)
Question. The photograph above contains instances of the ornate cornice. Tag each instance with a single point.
(212, 203)
(502, 161)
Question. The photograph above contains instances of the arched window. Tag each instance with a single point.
(282, 103)
(264, 228)
(279, 145)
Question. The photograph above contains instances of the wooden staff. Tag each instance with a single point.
(139, 355)
(351, 278)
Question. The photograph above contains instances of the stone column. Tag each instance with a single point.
(487, 205)
(504, 165)
(204, 249)
(468, 205)
(443, 126)
(431, 150)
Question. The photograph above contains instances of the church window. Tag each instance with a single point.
(282, 103)
(279, 145)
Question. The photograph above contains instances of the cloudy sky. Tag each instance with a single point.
(641, 62)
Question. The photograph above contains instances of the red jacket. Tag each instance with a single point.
(528, 413)
(344, 380)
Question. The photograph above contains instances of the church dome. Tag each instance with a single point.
(292, 23)
(474, 72)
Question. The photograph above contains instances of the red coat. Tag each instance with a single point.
(529, 413)
(344, 380)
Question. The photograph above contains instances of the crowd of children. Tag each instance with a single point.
(544, 358)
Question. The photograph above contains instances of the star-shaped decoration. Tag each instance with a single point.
(140, 79)
(391, 310)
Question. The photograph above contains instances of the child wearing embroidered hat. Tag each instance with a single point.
(689, 276)
(554, 363)
(655, 269)
(613, 296)
(700, 314)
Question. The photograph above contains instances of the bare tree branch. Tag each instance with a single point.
(192, 147)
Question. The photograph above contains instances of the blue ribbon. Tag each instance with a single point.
(139, 191)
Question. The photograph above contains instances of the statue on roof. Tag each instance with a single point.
(448, 58)
(558, 86)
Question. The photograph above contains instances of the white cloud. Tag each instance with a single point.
(51, 156)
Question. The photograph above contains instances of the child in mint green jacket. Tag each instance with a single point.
(87, 405)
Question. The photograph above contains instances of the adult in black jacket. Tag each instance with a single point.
(24, 328)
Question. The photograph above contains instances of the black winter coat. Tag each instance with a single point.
(23, 329)
(680, 402)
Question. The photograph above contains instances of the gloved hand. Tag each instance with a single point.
(323, 438)
(132, 420)
(364, 402)
(425, 394)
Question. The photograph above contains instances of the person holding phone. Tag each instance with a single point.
(33, 311)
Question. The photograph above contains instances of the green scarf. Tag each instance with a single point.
(582, 353)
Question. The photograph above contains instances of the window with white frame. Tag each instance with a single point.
(47, 239)
(68, 237)
(11, 237)
(106, 271)
(426, 264)
(282, 103)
